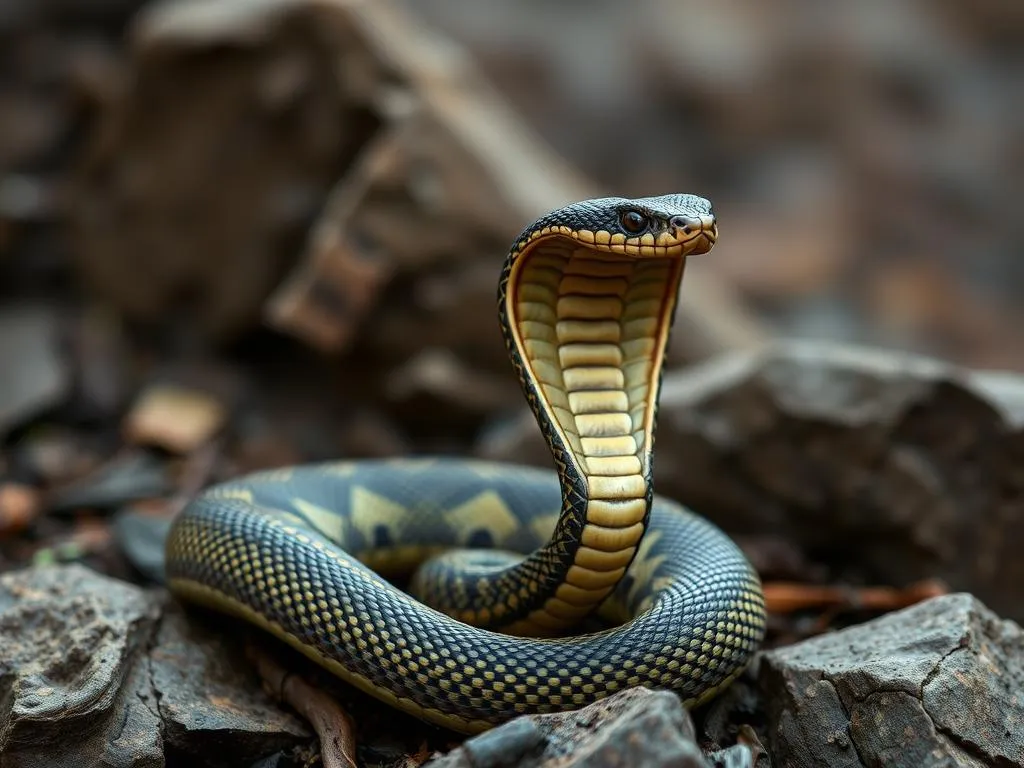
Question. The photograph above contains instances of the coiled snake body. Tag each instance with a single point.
(509, 558)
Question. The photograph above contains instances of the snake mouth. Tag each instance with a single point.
(590, 315)
(681, 236)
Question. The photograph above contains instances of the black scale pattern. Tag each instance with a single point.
(701, 618)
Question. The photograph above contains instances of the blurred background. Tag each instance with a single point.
(866, 159)
(240, 234)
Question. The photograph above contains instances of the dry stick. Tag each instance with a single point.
(332, 724)
(788, 597)
(747, 736)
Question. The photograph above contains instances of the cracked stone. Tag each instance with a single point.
(70, 643)
(211, 701)
(637, 727)
(96, 671)
(937, 684)
(889, 468)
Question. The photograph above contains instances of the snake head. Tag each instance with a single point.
(684, 222)
(665, 226)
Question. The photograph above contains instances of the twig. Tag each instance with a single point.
(332, 724)
(787, 597)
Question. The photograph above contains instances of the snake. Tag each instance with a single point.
(468, 592)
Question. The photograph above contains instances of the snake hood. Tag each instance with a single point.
(586, 301)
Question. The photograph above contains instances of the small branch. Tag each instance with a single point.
(332, 724)
(788, 597)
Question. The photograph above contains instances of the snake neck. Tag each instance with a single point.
(586, 333)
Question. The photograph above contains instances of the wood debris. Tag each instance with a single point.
(174, 418)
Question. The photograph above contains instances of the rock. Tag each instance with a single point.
(368, 434)
(515, 439)
(74, 664)
(745, 754)
(14, 17)
(53, 455)
(35, 376)
(888, 468)
(903, 133)
(434, 392)
(735, 717)
(878, 467)
(25, 199)
(369, 127)
(99, 672)
(210, 253)
(134, 476)
(211, 703)
(103, 358)
(637, 728)
(937, 684)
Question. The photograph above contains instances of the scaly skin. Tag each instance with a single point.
(586, 300)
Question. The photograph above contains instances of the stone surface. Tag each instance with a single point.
(35, 377)
(73, 654)
(98, 671)
(888, 468)
(95, 671)
(244, 94)
(211, 702)
(937, 684)
(130, 477)
(633, 729)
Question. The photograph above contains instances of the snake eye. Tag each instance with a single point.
(633, 221)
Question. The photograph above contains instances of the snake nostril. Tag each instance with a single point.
(687, 224)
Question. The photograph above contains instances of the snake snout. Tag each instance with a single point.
(687, 224)
(701, 230)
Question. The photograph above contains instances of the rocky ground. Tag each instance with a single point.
(243, 235)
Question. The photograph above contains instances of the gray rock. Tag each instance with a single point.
(890, 468)
(937, 684)
(134, 476)
(637, 728)
(35, 376)
(211, 701)
(95, 671)
(73, 651)
(16, 17)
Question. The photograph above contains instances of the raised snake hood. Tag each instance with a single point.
(588, 301)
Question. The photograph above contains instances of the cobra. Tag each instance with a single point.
(506, 562)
